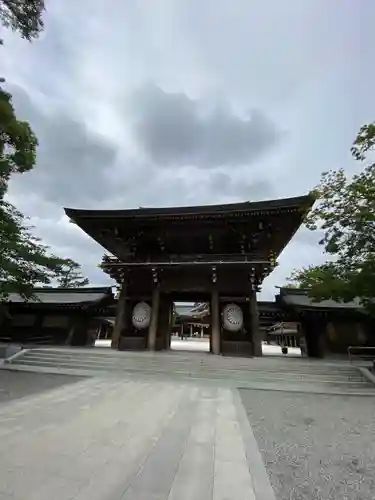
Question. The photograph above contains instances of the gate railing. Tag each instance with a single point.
(361, 352)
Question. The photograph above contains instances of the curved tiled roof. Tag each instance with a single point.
(247, 206)
(64, 296)
(297, 297)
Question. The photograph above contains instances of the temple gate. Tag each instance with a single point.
(217, 254)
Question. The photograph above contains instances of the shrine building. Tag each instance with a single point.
(218, 254)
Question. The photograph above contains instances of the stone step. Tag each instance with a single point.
(191, 357)
(154, 364)
(217, 375)
(303, 375)
(363, 390)
(208, 361)
(234, 375)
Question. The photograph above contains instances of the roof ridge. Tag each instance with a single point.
(95, 289)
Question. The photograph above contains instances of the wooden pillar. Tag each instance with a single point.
(163, 330)
(120, 318)
(152, 330)
(215, 322)
(78, 333)
(322, 341)
(254, 320)
(69, 338)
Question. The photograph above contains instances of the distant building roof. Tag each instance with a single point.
(200, 307)
(64, 296)
(283, 328)
(183, 309)
(299, 297)
(191, 310)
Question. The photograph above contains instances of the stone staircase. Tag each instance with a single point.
(272, 373)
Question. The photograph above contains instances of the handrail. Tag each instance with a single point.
(362, 352)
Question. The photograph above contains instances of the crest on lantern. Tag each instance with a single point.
(232, 317)
(141, 315)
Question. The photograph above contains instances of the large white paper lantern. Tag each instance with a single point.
(141, 315)
(232, 317)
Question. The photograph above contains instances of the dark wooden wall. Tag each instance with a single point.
(47, 327)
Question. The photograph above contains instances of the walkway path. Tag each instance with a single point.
(173, 426)
(190, 344)
(111, 439)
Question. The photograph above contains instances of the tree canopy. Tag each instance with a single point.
(345, 211)
(24, 260)
(23, 16)
(17, 143)
(69, 275)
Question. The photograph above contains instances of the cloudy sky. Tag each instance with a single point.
(171, 102)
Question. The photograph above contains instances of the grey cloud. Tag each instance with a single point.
(241, 187)
(77, 167)
(174, 130)
(73, 163)
(192, 186)
(68, 240)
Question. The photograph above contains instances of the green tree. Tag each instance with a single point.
(24, 260)
(345, 211)
(17, 143)
(24, 16)
(322, 281)
(69, 275)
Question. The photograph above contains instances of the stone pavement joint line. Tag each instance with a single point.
(111, 439)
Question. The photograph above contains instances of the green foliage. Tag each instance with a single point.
(324, 281)
(24, 261)
(69, 275)
(17, 143)
(345, 211)
(24, 16)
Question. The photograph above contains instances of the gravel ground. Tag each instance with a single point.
(315, 446)
(14, 385)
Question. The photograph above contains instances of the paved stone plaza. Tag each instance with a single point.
(14, 385)
(126, 436)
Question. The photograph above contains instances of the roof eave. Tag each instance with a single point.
(302, 202)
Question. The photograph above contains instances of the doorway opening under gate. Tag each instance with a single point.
(190, 330)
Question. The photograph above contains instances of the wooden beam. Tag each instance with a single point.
(152, 331)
